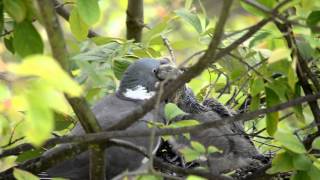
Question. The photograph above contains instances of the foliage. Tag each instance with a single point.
(263, 69)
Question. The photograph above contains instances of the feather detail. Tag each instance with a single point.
(138, 92)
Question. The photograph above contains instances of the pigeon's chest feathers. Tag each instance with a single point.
(139, 92)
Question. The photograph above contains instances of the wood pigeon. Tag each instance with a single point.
(237, 150)
(138, 83)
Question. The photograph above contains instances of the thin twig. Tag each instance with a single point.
(185, 62)
(249, 66)
(169, 47)
(167, 44)
(11, 142)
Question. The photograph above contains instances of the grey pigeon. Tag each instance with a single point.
(138, 83)
(237, 150)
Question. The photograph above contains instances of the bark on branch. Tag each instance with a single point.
(102, 137)
(303, 71)
(79, 105)
(135, 21)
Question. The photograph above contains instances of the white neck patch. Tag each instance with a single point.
(138, 92)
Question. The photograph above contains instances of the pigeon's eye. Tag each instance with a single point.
(155, 70)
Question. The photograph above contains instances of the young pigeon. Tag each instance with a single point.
(138, 83)
(237, 150)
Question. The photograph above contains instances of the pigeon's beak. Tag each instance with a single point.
(167, 71)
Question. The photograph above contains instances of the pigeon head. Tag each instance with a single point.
(140, 79)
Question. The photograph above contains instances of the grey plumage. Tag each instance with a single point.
(118, 159)
(108, 112)
(238, 150)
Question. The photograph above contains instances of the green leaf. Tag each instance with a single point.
(192, 19)
(100, 40)
(100, 53)
(258, 38)
(7, 162)
(316, 143)
(280, 66)
(234, 67)
(148, 177)
(27, 40)
(305, 49)
(78, 28)
(23, 175)
(90, 70)
(257, 86)
(272, 98)
(272, 123)
(301, 162)
(62, 121)
(279, 54)
(272, 118)
(292, 78)
(39, 117)
(193, 177)
(290, 142)
(53, 98)
(49, 70)
(190, 154)
(300, 175)
(16, 9)
(298, 110)
(171, 110)
(313, 21)
(8, 42)
(89, 11)
(251, 9)
(314, 173)
(119, 67)
(32, 10)
(155, 31)
(282, 162)
(29, 155)
(198, 147)
(213, 149)
(255, 103)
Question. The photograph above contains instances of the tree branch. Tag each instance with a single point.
(215, 123)
(273, 13)
(46, 161)
(302, 69)
(135, 21)
(103, 137)
(79, 105)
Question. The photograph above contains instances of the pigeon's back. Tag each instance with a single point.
(108, 112)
